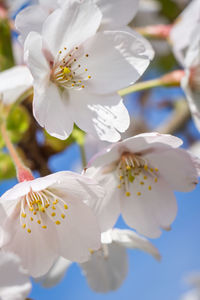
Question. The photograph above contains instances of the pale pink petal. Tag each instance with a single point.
(70, 25)
(107, 268)
(153, 208)
(102, 116)
(177, 167)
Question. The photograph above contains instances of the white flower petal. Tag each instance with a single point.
(34, 57)
(151, 209)
(80, 231)
(145, 142)
(106, 273)
(132, 240)
(14, 283)
(14, 82)
(30, 19)
(125, 61)
(117, 13)
(107, 209)
(70, 25)
(177, 167)
(41, 245)
(52, 110)
(102, 116)
(56, 273)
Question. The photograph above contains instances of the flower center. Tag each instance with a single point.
(38, 206)
(194, 79)
(135, 169)
(70, 69)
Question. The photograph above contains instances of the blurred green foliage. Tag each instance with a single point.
(6, 54)
(7, 169)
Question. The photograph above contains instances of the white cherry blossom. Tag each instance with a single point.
(107, 268)
(139, 175)
(77, 72)
(115, 14)
(14, 281)
(14, 82)
(184, 29)
(191, 81)
(44, 218)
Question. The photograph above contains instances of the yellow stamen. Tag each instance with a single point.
(138, 193)
(128, 194)
(150, 188)
(63, 216)
(53, 214)
(44, 226)
(23, 215)
(39, 222)
(57, 222)
(28, 230)
(23, 225)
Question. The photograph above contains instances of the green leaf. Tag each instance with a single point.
(7, 169)
(6, 54)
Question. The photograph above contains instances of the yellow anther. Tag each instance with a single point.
(34, 213)
(79, 66)
(60, 52)
(91, 251)
(121, 177)
(89, 76)
(66, 70)
(128, 167)
(156, 169)
(151, 170)
(44, 226)
(55, 202)
(28, 230)
(39, 222)
(47, 205)
(53, 214)
(142, 182)
(86, 70)
(86, 55)
(23, 225)
(82, 86)
(146, 167)
(31, 218)
(62, 216)
(138, 193)
(65, 48)
(70, 55)
(53, 207)
(65, 206)
(73, 84)
(145, 177)
(31, 208)
(150, 188)
(23, 215)
(42, 209)
(57, 222)
(119, 186)
(156, 179)
(128, 194)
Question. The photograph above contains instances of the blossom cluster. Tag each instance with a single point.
(78, 58)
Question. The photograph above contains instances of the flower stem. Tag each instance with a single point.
(83, 155)
(170, 79)
(23, 174)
